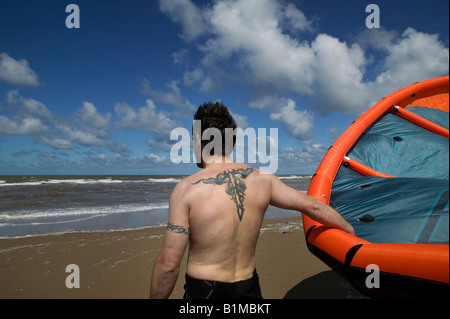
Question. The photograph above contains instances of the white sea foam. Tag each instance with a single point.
(82, 181)
(164, 180)
(63, 181)
(71, 212)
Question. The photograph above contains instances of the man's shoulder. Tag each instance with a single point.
(191, 179)
(264, 172)
(187, 182)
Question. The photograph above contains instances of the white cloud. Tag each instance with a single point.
(241, 120)
(29, 105)
(146, 117)
(153, 120)
(415, 56)
(249, 32)
(22, 126)
(82, 136)
(303, 160)
(127, 116)
(17, 72)
(90, 116)
(88, 127)
(192, 77)
(153, 157)
(31, 117)
(297, 19)
(118, 148)
(180, 56)
(187, 14)
(172, 97)
(260, 44)
(55, 141)
(334, 132)
(298, 123)
(338, 70)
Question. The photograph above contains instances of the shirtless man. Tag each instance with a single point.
(219, 211)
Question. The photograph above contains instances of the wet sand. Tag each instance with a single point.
(119, 264)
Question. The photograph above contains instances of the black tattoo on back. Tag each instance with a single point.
(235, 186)
(178, 229)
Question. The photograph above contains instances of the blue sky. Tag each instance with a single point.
(104, 97)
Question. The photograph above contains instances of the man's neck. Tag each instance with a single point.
(216, 160)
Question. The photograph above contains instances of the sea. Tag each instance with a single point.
(47, 205)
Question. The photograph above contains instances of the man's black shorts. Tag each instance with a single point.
(205, 289)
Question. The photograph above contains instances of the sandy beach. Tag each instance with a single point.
(119, 264)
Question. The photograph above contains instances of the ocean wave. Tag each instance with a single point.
(71, 231)
(71, 212)
(47, 223)
(85, 181)
(63, 181)
(164, 180)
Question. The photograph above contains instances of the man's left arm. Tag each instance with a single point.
(167, 264)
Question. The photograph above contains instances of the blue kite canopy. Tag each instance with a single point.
(414, 206)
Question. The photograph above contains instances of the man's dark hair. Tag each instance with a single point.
(215, 115)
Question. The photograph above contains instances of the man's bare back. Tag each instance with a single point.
(227, 205)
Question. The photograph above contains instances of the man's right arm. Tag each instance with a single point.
(285, 197)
